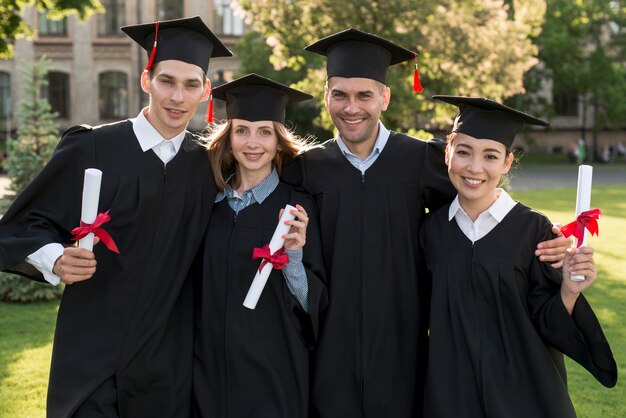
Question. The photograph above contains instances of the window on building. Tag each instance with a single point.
(169, 9)
(227, 23)
(49, 27)
(565, 101)
(5, 95)
(58, 93)
(109, 23)
(113, 86)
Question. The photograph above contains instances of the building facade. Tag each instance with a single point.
(95, 68)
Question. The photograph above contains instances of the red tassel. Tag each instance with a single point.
(154, 47)
(209, 109)
(417, 86)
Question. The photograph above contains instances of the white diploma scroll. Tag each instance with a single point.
(91, 196)
(277, 241)
(583, 203)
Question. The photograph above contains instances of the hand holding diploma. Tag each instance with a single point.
(290, 233)
(91, 221)
(586, 219)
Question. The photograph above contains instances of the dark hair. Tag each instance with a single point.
(505, 179)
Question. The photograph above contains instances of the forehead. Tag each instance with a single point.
(477, 144)
(251, 124)
(354, 84)
(178, 69)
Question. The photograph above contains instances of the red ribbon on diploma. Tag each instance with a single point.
(586, 219)
(84, 229)
(279, 259)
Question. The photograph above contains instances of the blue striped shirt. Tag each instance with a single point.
(294, 272)
(355, 160)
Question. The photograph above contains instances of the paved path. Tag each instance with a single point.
(533, 178)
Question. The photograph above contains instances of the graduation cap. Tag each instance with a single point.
(254, 98)
(354, 53)
(483, 118)
(188, 40)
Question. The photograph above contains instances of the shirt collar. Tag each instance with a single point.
(260, 192)
(381, 141)
(149, 137)
(498, 209)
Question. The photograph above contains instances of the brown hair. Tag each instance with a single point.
(223, 164)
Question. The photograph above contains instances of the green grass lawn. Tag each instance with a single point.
(607, 296)
(26, 330)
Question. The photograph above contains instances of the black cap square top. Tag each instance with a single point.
(255, 98)
(189, 40)
(354, 53)
(483, 118)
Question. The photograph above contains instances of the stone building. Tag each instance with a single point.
(95, 68)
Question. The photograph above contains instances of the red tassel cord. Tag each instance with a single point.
(209, 109)
(154, 47)
(417, 85)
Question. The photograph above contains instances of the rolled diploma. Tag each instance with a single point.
(91, 195)
(277, 241)
(583, 203)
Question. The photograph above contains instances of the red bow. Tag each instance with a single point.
(84, 229)
(587, 220)
(279, 259)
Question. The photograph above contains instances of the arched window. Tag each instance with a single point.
(5, 95)
(169, 9)
(58, 93)
(227, 23)
(109, 23)
(113, 86)
(48, 27)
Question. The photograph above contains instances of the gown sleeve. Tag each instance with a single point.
(435, 183)
(578, 336)
(49, 207)
(315, 272)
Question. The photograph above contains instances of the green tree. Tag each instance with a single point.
(12, 26)
(470, 47)
(582, 51)
(37, 136)
(256, 58)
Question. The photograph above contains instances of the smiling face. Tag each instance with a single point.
(475, 167)
(176, 89)
(355, 105)
(253, 145)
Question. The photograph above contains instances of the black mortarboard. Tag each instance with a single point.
(254, 98)
(483, 118)
(354, 53)
(188, 40)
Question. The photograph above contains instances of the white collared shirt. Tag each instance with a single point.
(486, 221)
(363, 164)
(149, 140)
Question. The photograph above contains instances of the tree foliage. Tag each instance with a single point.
(37, 136)
(582, 48)
(12, 26)
(468, 47)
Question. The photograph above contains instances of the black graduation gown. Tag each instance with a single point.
(133, 318)
(254, 363)
(497, 321)
(371, 356)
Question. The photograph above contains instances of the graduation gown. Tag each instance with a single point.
(371, 356)
(497, 321)
(254, 363)
(133, 318)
